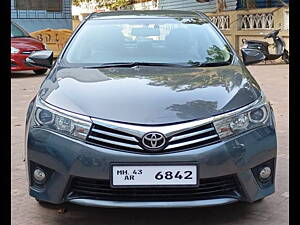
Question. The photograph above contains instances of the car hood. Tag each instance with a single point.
(150, 95)
(26, 43)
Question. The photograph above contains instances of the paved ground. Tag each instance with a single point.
(273, 210)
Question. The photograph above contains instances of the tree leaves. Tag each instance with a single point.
(110, 4)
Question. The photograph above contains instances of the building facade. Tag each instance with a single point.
(208, 6)
(35, 15)
(203, 6)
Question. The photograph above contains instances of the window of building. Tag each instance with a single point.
(268, 3)
(49, 5)
(247, 4)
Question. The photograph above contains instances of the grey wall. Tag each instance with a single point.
(33, 20)
(194, 5)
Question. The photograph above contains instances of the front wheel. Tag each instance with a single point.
(285, 57)
(40, 71)
(259, 200)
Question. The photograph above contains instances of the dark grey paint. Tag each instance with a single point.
(70, 157)
(252, 56)
(42, 58)
(150, 95)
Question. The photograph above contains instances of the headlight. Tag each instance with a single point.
(61, 121)
(246, 119)
(258, 115)
(13, 50)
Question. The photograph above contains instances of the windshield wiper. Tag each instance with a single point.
(132, 64)
(208, 64)
(211, 64)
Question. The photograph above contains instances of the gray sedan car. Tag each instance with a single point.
(149, 109)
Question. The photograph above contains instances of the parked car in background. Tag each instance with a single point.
(149, 109)
(22, 45)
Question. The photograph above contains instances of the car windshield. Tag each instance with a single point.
(18, 32)
(148, 40)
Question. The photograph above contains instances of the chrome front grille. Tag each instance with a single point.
(196, 137)
(27, 52)
(111, 138)
(127, 137)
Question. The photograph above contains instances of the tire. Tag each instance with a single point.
(40, 71)
(259, 200)
(285, 57)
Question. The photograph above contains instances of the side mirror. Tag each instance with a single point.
(42, 58)
(251, 56)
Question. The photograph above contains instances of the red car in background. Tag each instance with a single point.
(22, 45)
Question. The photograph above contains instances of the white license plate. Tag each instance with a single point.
(154, 175)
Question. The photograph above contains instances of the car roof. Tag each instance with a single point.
(123, 14)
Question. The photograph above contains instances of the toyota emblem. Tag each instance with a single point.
(153, 141)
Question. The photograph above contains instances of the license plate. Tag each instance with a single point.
(154, 175)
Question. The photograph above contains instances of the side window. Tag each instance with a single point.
(17, 32)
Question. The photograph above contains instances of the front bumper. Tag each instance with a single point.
(149, 204)
(68, 159)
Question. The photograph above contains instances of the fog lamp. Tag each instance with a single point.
(265, 173)
(39, 175)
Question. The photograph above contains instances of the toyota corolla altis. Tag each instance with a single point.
(149, 109)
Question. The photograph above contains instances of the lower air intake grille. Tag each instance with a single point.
(210, 188)
(27, 52)
(12, 64)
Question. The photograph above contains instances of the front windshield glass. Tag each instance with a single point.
(181, 40)
(18, 32)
